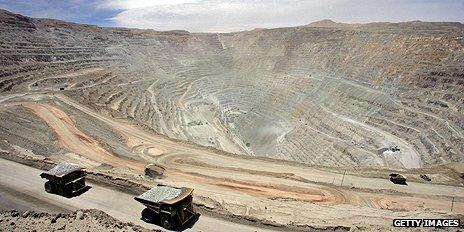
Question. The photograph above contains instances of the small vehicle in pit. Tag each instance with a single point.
(398, 179)
(425, 177)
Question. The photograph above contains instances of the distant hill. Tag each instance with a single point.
(329, 23)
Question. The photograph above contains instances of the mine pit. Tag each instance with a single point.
(327, 125)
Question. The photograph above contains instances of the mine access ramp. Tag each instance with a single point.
(171, 206)
(65, 179)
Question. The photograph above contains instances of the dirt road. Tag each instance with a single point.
(281, 192)
(21, 188)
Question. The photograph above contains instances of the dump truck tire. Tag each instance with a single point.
(49, 187)
(148, 215)
(168, 222)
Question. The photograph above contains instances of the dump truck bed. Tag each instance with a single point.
(162, 194)
(61, 170)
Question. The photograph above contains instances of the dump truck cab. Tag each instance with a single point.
(171, 206)
(64, 179)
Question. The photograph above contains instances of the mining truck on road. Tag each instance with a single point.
(170, 206)
(398, 179)
(64, 179)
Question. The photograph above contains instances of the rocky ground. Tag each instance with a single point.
(95, 221)
(85, 220)
(324, 94)
(293, 126)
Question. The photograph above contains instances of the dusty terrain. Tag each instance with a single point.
(263, 189)
(21, 188)
(337, 95)
(87, 220)
(285, 112)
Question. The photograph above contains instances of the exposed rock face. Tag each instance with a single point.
(336, 95)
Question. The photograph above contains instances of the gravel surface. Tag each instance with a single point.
(63, 169)
(85, 220)
(160, 193)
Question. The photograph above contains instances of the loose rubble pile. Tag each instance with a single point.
(86, 220)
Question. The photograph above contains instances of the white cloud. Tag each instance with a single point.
(234, 15)
(137, 4)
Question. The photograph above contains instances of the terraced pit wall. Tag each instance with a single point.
(382, 94)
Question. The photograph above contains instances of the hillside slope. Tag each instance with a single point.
(380, 94)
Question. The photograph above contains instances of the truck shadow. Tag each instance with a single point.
(80, 192)
(399, 182)
(189, 224)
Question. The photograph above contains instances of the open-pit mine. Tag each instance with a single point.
(276, 129)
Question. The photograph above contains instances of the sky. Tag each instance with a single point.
(234, 15)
